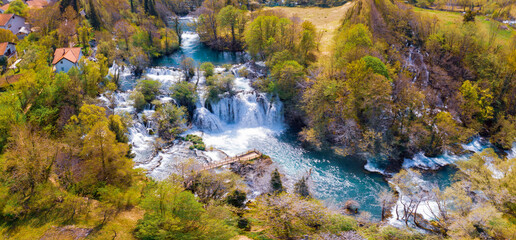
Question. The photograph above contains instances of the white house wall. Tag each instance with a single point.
(14, 24)
(64, 65)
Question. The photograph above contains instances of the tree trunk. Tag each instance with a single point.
(233, 35)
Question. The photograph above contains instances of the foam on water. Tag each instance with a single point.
(512, 153)
(421, 161)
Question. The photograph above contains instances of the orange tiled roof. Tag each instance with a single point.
(37, 3)
(5, 7)
(4, 18)
(3, 47)
(71, 54)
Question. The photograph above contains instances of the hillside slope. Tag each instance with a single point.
(327, 20)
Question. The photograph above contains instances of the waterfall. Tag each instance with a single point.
(415, 63)
(244, 109)
(166, 76)
(206, 120)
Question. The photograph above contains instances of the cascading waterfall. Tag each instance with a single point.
(416, 64)
(249, 119)
(244, 109)
(249, 109)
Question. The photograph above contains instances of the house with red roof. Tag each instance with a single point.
(7, 49)
(38, 3)
(66, 58)
(4, 8)
(15, 24)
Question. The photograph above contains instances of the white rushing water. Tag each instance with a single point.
(235, 119)
(421, 161)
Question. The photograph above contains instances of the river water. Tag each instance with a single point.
(192, 48)
(253, 120)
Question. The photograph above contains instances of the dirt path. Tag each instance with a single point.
(327, 20)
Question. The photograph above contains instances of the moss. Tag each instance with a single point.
(197, 142)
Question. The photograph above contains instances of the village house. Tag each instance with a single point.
(7, 49)
(36, 4)
(15, 24)
(4, 8)
(66, 58)
(9, 1)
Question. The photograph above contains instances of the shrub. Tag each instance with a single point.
(197, 142)
(149, 89)
(139, 100)
(208, 69)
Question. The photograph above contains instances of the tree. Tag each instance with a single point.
(476, 105)
(93, 16)
(149, 88)
(105, 159)
(237, 198)
(169, 40)
(91, 77)
(84, 33)
(505, 137)
(119, 127)
(171, 120)
(89, 115)
(229, 17)
(267, 35)
(469, 16)
(139, 59)
(352, 44)
(18, 7)
(4, 61)
(287, 75)
(176, 25)
(124, 30)
(7, 36)
(68, 27)
(449, 131)
(148, 6)
(410, 195)
(474, 204)
(208, 69)
(308, 42)
(139, 100)
(386, 199)
(210, 186)
(172, 213)
(207, 25)
(290, 217)
(29, 160)
(188, 67)
(185, 95)
(276, 185)
(376, 65)
(301, 187)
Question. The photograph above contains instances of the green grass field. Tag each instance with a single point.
(483, 23)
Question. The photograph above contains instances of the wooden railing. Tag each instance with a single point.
(246, 156)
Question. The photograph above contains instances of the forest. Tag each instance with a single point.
(396, 79)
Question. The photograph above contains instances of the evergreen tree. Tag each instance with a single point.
(149, 7)
(177, 28)
(93, 16)
(276, 185)
(301, 187)
(237, 198)
(65, 3)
